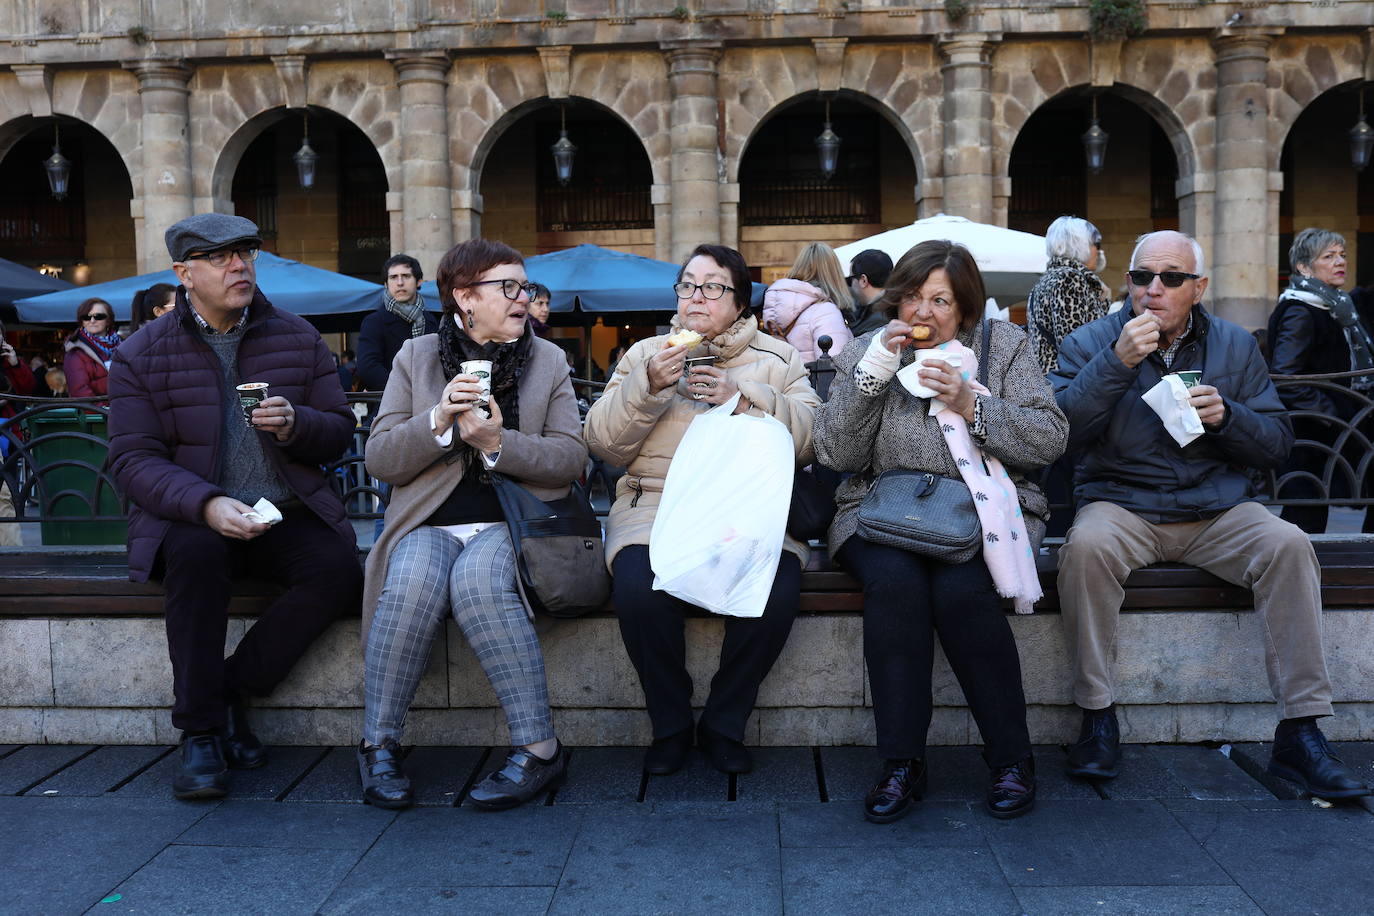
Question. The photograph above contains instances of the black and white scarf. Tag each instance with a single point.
(1338, 302)
(412, 311)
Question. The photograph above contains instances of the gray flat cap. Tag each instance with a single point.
(209, 232)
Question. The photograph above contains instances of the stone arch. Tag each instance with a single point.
(230, 107)
(104, 100)
(899, 83)
(488, 98)
(1301, 71)
(1025, 78)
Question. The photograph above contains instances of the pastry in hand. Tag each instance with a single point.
(920, 332)
(684, 338)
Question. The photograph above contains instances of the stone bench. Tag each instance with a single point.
(85, 661)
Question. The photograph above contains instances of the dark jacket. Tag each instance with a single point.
(379, 340)
(166, 420)
(1130, 460)
(1307, 340)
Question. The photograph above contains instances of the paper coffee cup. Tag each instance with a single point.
(1189, 377)
(251, 394)
(693, 361)
(482, 369)
(910, 378)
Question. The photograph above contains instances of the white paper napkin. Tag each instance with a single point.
(1169, 399)
(264, 511)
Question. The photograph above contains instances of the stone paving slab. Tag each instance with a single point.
(849, 771)
(1301, 860)
(782, 774)
(438, 774)
(100, 771)
(368, 899)
(1141, 775)
(34, 762)
(931, 880)
(448, 847)
(696, 781)
(284, 766)
(351, 828)
(841, 824)
(62, 855)
(601, 775)
(672, 863)
(1101, 842)
(1226, 900)
(333, 779)
(194, 880)
(1206, 772)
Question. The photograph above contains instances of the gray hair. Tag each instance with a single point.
(1310, 243)
(1072, 237)
(1199, 262)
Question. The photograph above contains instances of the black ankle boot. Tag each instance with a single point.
(1098, 749)
(1011, 790)
(1302, 755)
(896, 792)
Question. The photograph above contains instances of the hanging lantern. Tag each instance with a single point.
(563, 151)
(58, 167)
(828, 147)
(1095, 143)
(305, 158)
(1361, 139)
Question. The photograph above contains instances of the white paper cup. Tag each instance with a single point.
(482, 369)
(911, 381)
(251, 394)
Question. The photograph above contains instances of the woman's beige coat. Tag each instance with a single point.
(636, 429)
(546, 454)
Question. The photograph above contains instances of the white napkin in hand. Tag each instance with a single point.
(264, 511)
(1169, 399)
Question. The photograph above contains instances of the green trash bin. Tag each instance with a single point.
(69, 490)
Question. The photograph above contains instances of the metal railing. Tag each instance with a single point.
(55, 472)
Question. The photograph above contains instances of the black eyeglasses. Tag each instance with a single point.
(222, 258)
(1170, 278)
(95, 316)
(510, 288)
(686, 289)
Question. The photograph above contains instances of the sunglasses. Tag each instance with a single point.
(1170, 278)
(96, 316)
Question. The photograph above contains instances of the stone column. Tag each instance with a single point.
(1244, 239)
(694, 139)
(164, 94)
(967, 70)
(427, 200)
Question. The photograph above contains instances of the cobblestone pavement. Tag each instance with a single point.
(1184, 828)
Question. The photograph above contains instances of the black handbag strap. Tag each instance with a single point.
(529, 516)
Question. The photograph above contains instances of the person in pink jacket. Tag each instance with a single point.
(808, 303)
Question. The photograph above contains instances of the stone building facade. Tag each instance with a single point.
(176, 94)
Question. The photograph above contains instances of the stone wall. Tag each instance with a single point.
(1182, 676)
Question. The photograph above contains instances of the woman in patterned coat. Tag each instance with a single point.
(990, 438)
(1069, 294)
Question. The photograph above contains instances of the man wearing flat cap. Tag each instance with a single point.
(194, 462)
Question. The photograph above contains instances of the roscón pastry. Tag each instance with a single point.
(684, 338)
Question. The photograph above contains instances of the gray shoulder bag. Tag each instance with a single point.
(923, 512)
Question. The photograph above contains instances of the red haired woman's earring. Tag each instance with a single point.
(471, 324)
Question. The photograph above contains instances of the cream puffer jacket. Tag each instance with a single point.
(633, 428)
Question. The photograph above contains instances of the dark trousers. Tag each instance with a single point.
(323, 581)
(652, 624)
(908, 599)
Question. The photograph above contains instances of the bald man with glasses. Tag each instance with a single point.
(1143, 498)
(194, 460)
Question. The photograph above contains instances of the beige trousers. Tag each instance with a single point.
(1245, 545)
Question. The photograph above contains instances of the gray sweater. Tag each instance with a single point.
(245, 471)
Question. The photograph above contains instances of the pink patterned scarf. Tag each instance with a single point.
(1007, 548)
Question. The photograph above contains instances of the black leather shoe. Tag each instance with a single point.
(242, 749)
(1011, 791)
(667, 755)
(1302, 755)
(725, 754)
(384, 782)
(1098, 749)
(522, 778)
(896, 792)
(202, 772)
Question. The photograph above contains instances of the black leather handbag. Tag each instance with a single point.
(560, 557)
(813, 503)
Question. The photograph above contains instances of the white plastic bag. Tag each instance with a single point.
(717, 537)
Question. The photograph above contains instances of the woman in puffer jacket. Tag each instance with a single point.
(809, 303)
